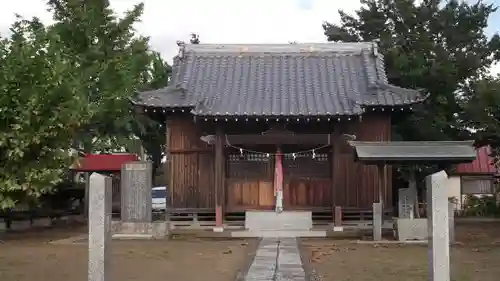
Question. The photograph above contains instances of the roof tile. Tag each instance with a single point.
(414, 151)
(274, 80)
(102, 162)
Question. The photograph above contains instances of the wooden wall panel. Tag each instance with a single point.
(206, 187)
(190, 166)
(307, 193)
(249, 166)
(346, 180)
(184, 135)
(356, 185)
(249, 194)
(375, 127)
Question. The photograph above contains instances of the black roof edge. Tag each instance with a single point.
(409, 143)
(389, 107)
(251, 116)
(164, 108)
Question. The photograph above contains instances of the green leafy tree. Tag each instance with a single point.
(481, 102)
(150, 131)
(113, 63)
(69, 86)
(41, 109)
(91, 33)
(436, 45)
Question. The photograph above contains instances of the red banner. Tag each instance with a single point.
(278, 173)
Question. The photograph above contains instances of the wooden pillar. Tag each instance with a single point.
(219, 176)
(387, 191)
(381, 183)
(337, 219)
(335, 140)
(168, 169)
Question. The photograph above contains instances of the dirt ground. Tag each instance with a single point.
(475, 258)
(30, 257)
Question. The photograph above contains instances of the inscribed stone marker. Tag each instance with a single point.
(438, 227)
(100, 190)
(136, 188)
(377, 221)
(405, 203)
(451, 220)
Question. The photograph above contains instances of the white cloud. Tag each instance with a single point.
(216, 21)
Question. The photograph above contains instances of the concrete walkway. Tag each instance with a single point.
(276, 259)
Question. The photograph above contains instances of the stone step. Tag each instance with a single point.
(123, 236)
(278, 233)
(278, 227)
(256, 220)
(265, 215)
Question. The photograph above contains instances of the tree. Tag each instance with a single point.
(437, 46)
(69, 86)
(41, 109)
(481, 102)
(91, 33)
(113, 63)
(152, 132)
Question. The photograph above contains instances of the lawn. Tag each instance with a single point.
(474, 258)
(33, 258)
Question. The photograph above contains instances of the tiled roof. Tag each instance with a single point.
(483, 164)
(414, 151)
(103, 162)
(282, 79)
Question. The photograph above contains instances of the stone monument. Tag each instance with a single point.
(451, 220)
(378, 220)
(410, 228)
(438, 227)
(136, 189)
(136, 204)
(100, 189)
(406, 203)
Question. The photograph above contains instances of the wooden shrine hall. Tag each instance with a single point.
(266, 127)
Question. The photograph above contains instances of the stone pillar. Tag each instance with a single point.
(451, 220)
(377, 221)
(136, 189)
(99, 222)
(438, 227)
(405, 203)
(337, 219)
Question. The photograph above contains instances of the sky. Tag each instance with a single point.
(220, 21)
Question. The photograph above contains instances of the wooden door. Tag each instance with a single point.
(307, 182)
(249, 182)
